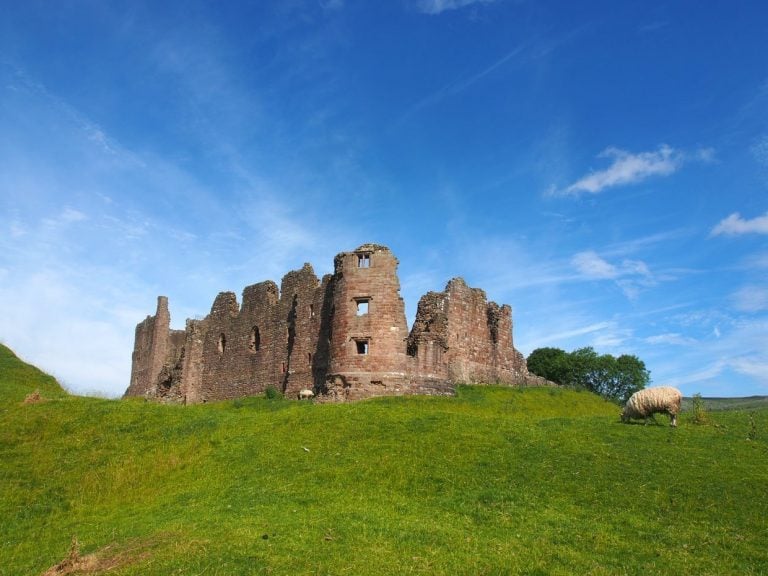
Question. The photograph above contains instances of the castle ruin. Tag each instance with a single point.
(344, 338)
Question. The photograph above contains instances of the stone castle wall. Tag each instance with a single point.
(344, 337)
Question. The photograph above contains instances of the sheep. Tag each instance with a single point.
(644, 403)
(306, 394)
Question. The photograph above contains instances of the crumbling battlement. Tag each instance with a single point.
(345, 337)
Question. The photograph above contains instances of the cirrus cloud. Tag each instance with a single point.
(629, 275)
(626, 168)
(439, 6)
(735, 225)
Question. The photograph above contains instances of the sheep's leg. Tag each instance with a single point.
(673, 420)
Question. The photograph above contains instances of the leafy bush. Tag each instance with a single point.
(272, 393)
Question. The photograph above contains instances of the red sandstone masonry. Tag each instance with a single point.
(344, 337)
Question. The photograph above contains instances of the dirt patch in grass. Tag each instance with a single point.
(33, 398)
(107, 558)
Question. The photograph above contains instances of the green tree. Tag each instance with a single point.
(549, 363)
(631, 375)
(613, 378)
(583, 369)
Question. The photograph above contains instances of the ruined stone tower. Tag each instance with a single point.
(344, 337)
(368, 323)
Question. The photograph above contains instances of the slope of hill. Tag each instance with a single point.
(19, 379)
(494, 481)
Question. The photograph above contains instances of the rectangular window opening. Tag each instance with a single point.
(362, 346)
(362, 307)
(363, 260)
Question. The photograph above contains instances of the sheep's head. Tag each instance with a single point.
(624, 416)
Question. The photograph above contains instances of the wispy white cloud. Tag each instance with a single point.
(735, 225)
(754, 366)
(751, 298)
(730, 353)
(710, 371)
(593, 266)
(440, 6)
(630, 275)
(626, 168)
(332, 4)
(757, 261)
(653, 26)
(604, 336)
(760, 150)
(459, 85)
(580, 331)
(670, 338)
(611, 340)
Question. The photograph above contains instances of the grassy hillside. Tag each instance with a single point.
(19, 379)
(495, 481)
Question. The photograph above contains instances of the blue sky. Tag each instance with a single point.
(603, 169)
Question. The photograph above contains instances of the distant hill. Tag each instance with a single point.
(19, 379)
(745, 403)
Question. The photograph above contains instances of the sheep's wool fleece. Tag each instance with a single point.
(645, 402)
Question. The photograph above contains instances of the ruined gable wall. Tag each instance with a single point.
(479, 336)
(461, 337)
(428, 339)
(260, 341)
(322, 308)
(299, 320)
(150, 350)
(192, 366)
(223, 346)
(272, 340)
(234, 363)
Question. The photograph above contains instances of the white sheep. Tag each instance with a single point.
(644, 403)
(306, 394)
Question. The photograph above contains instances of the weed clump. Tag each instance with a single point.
(272, 393)
(699, 410)
(752, 434)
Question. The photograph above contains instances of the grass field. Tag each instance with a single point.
(493, 481)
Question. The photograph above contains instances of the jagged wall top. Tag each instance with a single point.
(345, 337)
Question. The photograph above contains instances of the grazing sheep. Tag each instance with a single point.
(306, 394)
(644, 403)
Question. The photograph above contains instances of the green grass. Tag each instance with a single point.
(494, 481)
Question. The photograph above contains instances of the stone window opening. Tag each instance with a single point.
(363, 260)
(362, 306)
(361, 346)
(222, 344)
(309, 358)
(311, 310)
(254, 341)
(282, 368)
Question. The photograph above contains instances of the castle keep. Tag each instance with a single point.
(344, 337)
